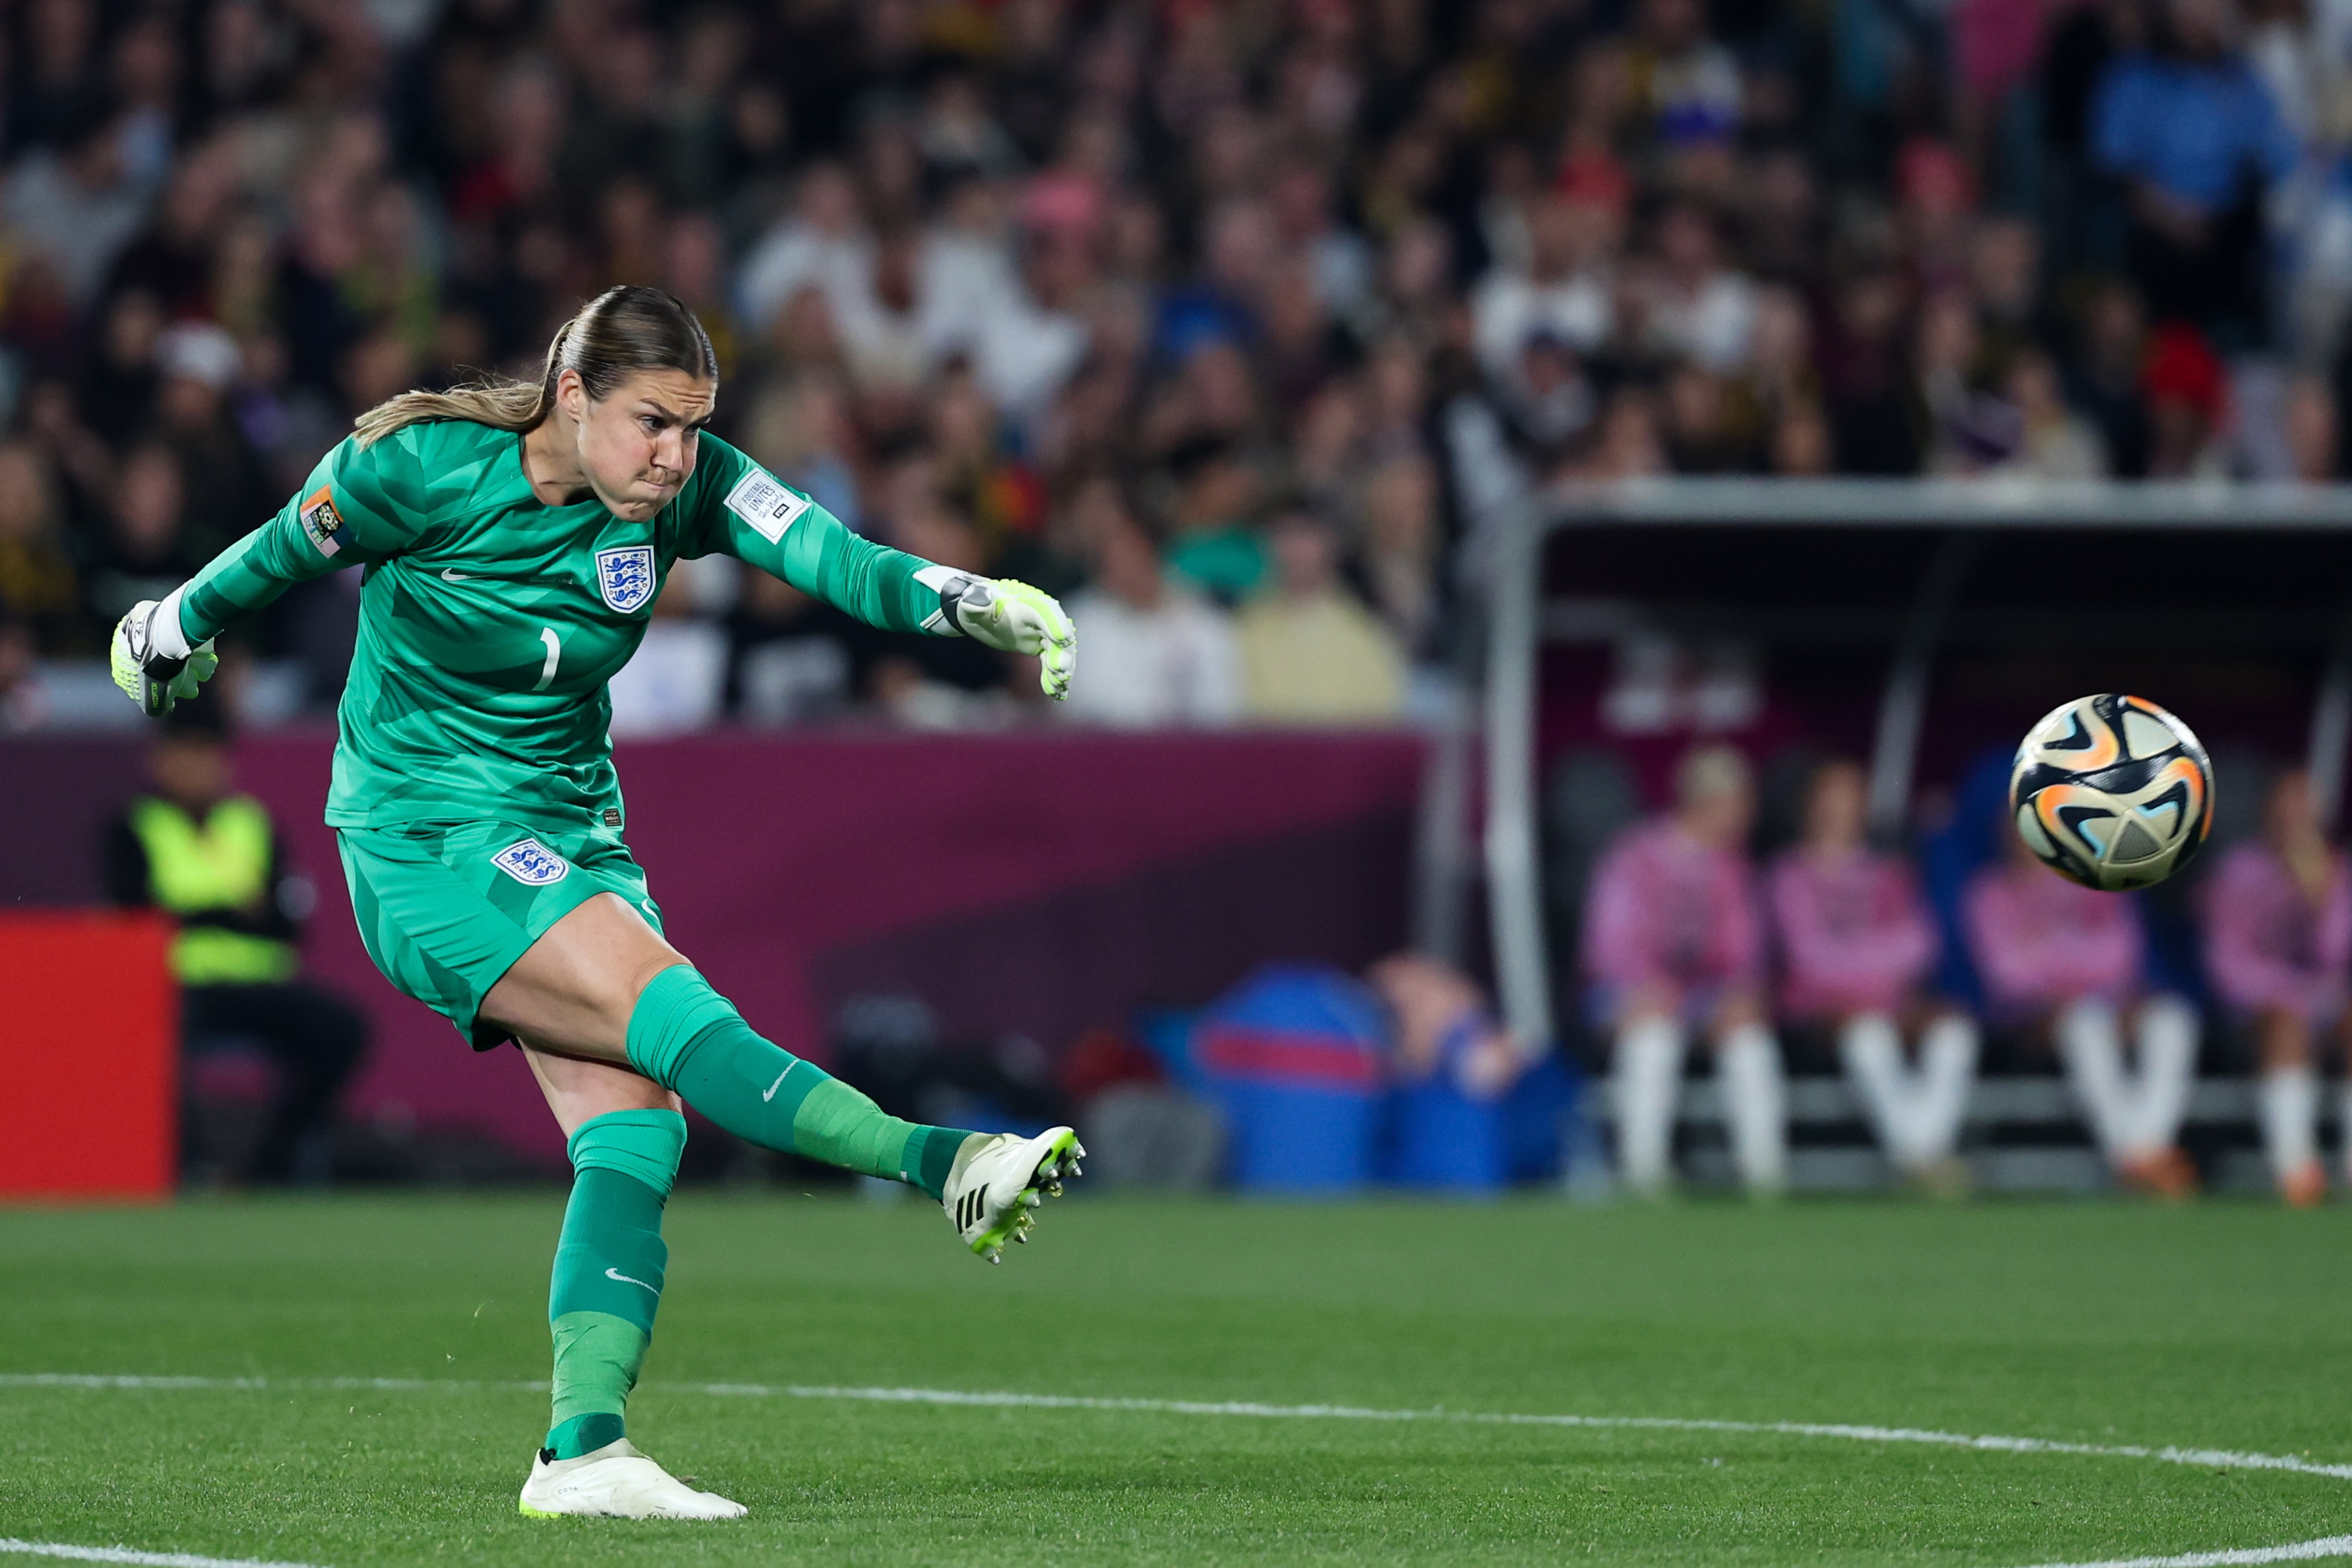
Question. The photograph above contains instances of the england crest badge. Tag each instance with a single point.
(531, 862)
(625, 577)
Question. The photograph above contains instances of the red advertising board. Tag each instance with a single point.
(87, 1048)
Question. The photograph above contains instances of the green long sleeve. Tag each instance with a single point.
(360, 505)
(738, 509)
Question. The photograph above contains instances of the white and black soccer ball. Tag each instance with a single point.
(2112, 791)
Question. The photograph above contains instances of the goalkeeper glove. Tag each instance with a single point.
(153, 679)
(1018, 619)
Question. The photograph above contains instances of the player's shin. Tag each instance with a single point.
(608, 1272)
(2287, 1099)
(688, 1037)
(1871, 1053)
(2090, 1047)
(1756, 1104)
(1648, 1074)
(1947, 1066)
(2167, 1038)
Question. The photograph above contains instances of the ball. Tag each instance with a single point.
(2112, 791)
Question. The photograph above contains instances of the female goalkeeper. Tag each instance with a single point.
(512, 540)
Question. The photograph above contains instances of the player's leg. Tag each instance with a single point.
(624, 1135)
(1755, 1097)
(444, 912)
(601, 984)
(1871, 1050)
(2090, 1044)
(2340, 1033)
(2165, 1038)
(2088, 1034)
(1647, 1078)
(2286, 1096)
(1948, 1067)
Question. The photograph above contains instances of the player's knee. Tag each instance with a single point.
(610, 992)
(1739, 1010)
(607, 985)
(2285, 1039)
(639, 976)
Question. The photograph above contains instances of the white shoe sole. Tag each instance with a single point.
(637, 1488)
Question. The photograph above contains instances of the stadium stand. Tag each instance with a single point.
(987, 276)
(1276, 336)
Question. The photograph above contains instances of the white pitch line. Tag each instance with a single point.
(2216, 1458)
(2299, 1551)
(124, 1554)
(2211, 1458)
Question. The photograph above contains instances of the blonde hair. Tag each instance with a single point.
(630, 328)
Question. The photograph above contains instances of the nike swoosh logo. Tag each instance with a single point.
(779, 1083)
(464, 577)
(640, 1284)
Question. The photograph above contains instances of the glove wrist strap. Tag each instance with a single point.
(166, 637)
(956, 590)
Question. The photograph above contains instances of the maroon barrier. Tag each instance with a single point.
(1038, 880)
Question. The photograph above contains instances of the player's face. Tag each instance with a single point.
(1834, 814)
(639, 446)
(1721, 817)
(2291, 814)
(191, 769)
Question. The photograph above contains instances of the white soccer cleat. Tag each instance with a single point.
(616, 1482)
(997, 1184)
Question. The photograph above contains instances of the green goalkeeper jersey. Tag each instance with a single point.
(489, 621)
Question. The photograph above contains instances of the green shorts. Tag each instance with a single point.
(445, 909)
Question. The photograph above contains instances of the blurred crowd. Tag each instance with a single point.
(1833, 953)
(1231, 321)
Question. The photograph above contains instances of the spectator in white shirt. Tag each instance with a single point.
(1699, 308)
(1157, 653)
(823, 244)
(78, 205)
(882, 322)
(968, 271)
(1565, 290)
(1026, 349)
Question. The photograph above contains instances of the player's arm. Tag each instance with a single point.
(746, 512)
(360, 503)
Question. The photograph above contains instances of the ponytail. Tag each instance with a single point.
(621, 330)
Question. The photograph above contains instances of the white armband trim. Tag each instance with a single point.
(167, 639)
(939, 579)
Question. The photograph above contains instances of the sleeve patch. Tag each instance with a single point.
(762, 501)
(322, 524)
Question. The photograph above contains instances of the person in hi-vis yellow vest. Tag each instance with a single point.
(209, 857)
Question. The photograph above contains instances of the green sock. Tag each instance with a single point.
(687, 1037)
(608, 1271)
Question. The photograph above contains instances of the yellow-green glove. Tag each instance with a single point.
(1019, 619)
(154, 680)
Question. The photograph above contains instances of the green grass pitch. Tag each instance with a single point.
(2218, 1326)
